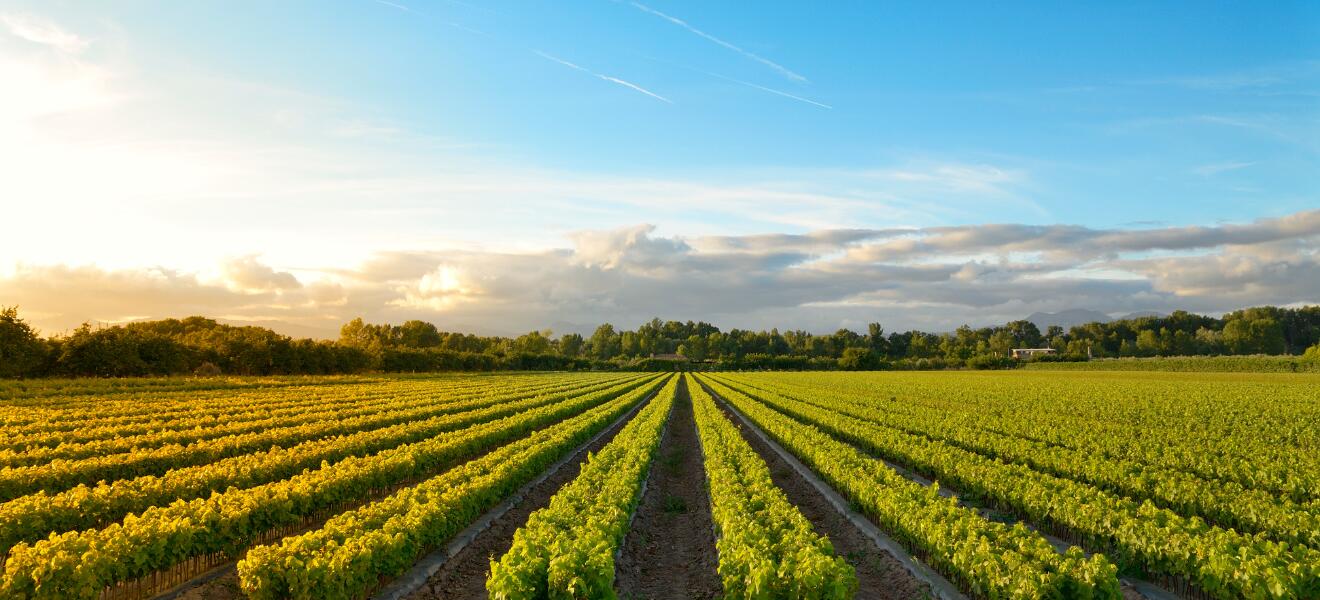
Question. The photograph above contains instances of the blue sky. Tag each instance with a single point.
(1120, 113)
(319, 137)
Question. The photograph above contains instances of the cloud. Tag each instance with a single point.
(934, 278)
(248, 275)
(1224, 167)
(40, 31)
(1082, 242)
(608, 78)
(684, 24)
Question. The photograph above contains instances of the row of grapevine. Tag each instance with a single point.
(79, 564)
(567, 549)
(32, 517)
(168, 406)
(1261, 434)
(1222, 563)
(154, 405)
(92, 439)
(350, 553)
(767, 549)
(1223, 503)
(60, 475)
(988, 559)
(317, 413)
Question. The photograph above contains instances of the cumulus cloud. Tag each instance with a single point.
(246, 274)
(933, 278)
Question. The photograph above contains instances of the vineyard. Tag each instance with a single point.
(751, 485)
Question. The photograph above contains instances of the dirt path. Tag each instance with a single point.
(879, 575)
(670, 551)
(463, 576)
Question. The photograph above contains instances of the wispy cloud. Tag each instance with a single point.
(782, 70)
(616, 80)
(42, 32)
(1217, 168)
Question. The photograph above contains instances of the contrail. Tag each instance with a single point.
(616, 80)
(398, 6)
(684, 24)
(449, 23)
(770, 90)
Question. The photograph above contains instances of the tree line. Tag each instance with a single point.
(200, 345)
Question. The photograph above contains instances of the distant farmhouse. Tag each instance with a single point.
(674, 357)
(1031, 352)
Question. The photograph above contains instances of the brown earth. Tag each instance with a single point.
(463, 576)
(669, 553)
(879, 575)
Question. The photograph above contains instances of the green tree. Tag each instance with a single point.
(605, 342)
(571, 345)
(418, 334)
(535, 342)
(22, 352)
(1148, 343)
(694, 348)
(875, 336)
(857, 359)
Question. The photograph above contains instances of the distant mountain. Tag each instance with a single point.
(1142, 313)
(1068, 318)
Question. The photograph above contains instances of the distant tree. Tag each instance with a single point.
(535, 342)
(357, 333)
(1025, 333)
(1268, 334)
(21, 351)
(694, 348)
(605, 342)
(857, 359)
(1148, 343)
(571, 345)
(1247, 335)
(418, 334)
(875, 337)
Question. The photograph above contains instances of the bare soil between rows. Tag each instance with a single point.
(463, 576)
(669, 553)
(880, 576)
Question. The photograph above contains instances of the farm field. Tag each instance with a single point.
(1026, 484)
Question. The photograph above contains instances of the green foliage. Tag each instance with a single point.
(22, 353)
(566, 550)
(229, 521)
(767, 549)
(174, 346)
(989, 558)
(858, 359)
(32, 517)
(1223, 364)
(1142, 516)
(988, 361)
(348, 555)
